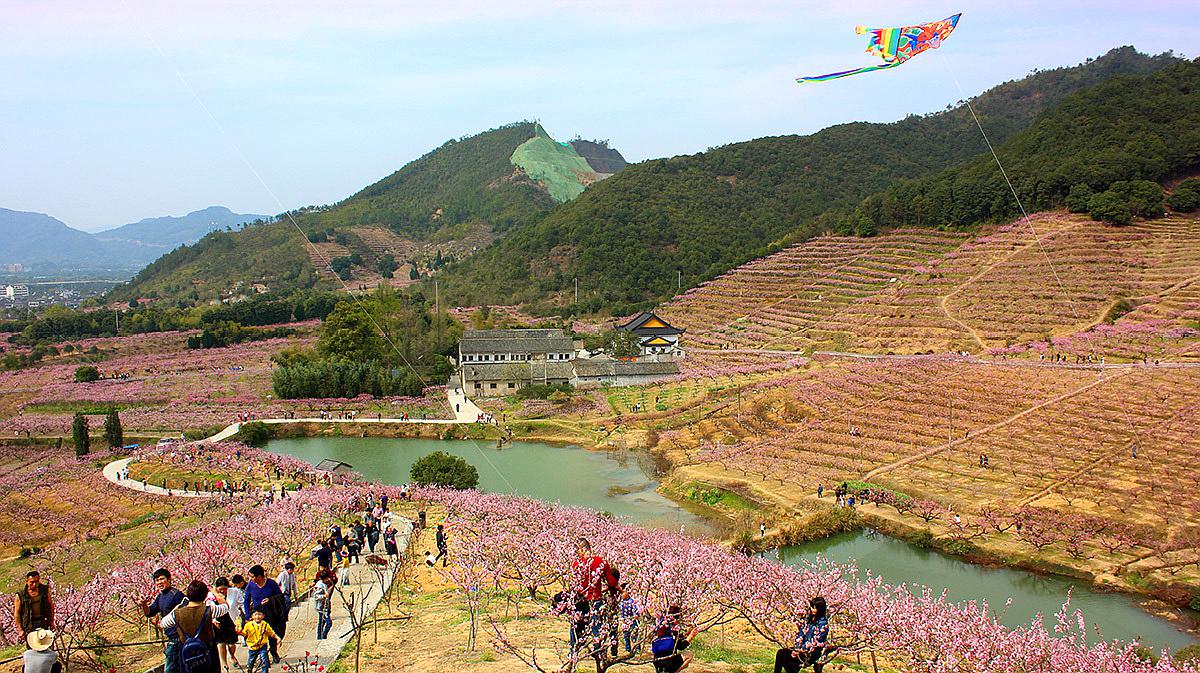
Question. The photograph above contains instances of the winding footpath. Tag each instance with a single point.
(301, 642)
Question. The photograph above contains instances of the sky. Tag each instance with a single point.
(116, 110)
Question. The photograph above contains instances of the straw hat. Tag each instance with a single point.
(40, 640)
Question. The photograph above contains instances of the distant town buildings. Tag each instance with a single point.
(502, 361)
(16, 292)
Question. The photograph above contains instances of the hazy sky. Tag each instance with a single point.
(98, 126)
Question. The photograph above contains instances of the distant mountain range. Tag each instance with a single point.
(43, 243)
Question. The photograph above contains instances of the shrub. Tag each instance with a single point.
(442, 469)
(1189, 654)
(1194, 601)
(923, 539)
(542, 391)
(86, 374)
(1144, 197)
(1184, 200)
(255, 433)
(1109, 207)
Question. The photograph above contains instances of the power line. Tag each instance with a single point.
(288, 214)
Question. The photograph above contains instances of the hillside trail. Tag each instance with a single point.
(988, 269)
(991, 427)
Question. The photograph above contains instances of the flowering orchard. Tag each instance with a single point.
(500, 544)
(917, 291)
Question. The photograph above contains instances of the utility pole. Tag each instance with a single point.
(576, 293)
(117, 317)
(678, 281)
(437, 313)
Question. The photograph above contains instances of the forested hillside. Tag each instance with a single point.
(627, 238)
(1126, 129)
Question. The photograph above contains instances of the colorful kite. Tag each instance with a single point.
(896, 45)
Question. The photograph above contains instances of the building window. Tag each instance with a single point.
(511, 385)
(492, 386)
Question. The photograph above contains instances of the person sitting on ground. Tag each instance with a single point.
(40, 658)
(670, 641)
(811, 641)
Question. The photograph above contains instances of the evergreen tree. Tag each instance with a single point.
(113, 434)
(79, 432)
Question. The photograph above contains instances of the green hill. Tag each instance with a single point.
(469, 181)
(626, 238)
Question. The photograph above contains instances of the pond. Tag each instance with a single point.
(618, 483)
(1109, 615)
(614, 482)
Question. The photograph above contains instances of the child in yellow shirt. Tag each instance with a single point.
(258, 635)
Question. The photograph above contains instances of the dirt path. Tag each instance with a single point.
(988, 428)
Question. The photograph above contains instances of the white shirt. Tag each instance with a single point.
(215, 610)
(287, 584)
(320, 596)
(235, 598)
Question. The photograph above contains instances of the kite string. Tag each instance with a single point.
(288, 215)
(1016, 197)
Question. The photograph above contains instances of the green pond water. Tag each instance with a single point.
(1109, 616)
(611, 482)
(618, 483)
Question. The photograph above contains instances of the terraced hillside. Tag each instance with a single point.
(1053, 280)
(1116, 443)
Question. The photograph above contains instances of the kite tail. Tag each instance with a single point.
(847, 73)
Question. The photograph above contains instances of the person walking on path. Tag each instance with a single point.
(811, 641)
(389, 543)
(324, 555)
(263, 595)
(259, 638)
(227, 625)
(629, 611)
(322, 593)
(168, 599)
(287, 584)
(194, 618)
(442, 546)
(40, 658)
(33, 607)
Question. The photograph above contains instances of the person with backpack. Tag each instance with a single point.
(193, 621)
(259, 637)
(670, 641)
(811, 641)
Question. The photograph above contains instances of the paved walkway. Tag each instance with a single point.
(112, 472)
(301, 639)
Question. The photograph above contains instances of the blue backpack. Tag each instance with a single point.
(194, 656)
(663, 647)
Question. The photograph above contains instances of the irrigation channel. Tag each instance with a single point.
(622, 485)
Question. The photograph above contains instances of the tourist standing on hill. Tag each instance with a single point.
(629, 611)
(263, 594)
(372, 533)
(33, 607)
(194, 618)
(811, 641)
(442, 547)
(168, 599)
(591, 579)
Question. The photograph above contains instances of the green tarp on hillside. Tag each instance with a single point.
(556, 165)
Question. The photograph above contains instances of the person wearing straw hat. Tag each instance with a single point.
(40, 658)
